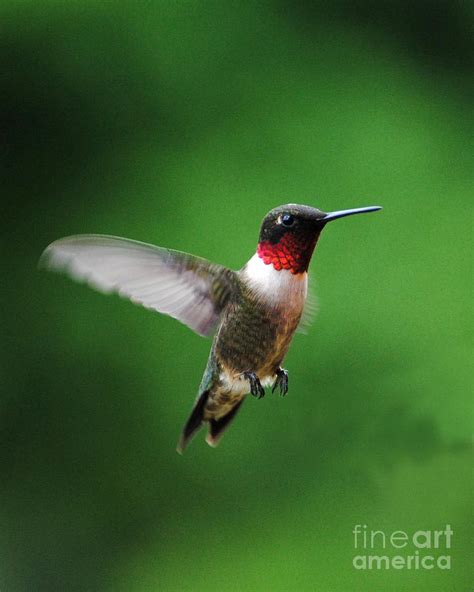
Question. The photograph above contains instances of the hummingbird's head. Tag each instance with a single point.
(289, 234)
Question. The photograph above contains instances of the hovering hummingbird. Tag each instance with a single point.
(253, 312)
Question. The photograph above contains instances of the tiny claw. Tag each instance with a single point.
(255, 386)
(281, 381)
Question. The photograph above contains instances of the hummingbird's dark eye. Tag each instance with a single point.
(287, 219)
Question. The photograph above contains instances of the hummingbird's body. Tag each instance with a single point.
(253, 336)
(254, 312)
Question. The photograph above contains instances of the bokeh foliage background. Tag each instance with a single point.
(182, 123)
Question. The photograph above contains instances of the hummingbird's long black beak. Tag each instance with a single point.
(341, 213)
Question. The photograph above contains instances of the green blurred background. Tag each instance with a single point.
(182, 124)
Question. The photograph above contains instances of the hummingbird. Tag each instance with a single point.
(252, 313)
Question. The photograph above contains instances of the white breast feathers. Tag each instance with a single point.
(276, 287)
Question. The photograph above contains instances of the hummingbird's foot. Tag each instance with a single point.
(255, 386)
(281, 381)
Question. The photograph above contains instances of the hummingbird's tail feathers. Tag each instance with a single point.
(217, 427)
(195, 421)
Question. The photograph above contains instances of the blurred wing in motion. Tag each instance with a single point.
(188, 288)
(309, 311)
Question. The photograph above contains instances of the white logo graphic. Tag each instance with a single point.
(422, 549)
